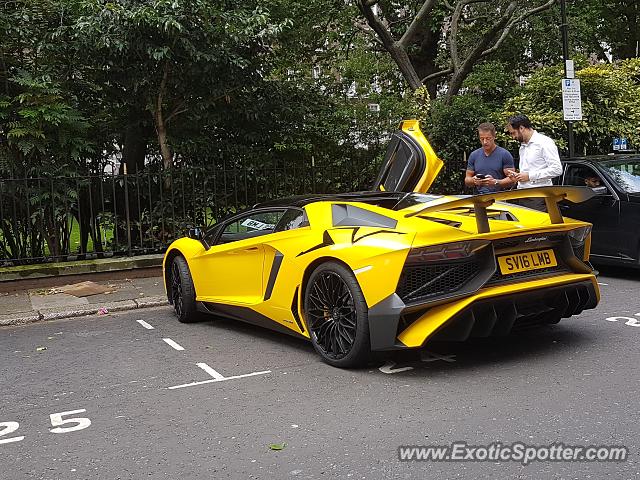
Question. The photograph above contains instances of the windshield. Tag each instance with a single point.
(625, 173)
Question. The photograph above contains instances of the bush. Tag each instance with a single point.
(610, 105)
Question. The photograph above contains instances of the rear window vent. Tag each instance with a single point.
(450, 223)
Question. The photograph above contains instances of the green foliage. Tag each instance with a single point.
(254, 87)
(614, 23)
(610, 105)
(42, 127)
(492, 81)
(452, 131)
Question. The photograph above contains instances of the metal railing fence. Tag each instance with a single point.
(52, 219)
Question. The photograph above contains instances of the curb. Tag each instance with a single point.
(80, 311)
(80, 267)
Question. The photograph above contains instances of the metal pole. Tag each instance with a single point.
(564, 27)
(126, 209)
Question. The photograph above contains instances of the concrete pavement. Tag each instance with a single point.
(42, 293)
(49, 303)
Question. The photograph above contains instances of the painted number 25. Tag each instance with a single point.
(60, 425)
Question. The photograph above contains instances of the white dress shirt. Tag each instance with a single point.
(539, 158)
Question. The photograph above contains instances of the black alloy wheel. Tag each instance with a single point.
(183, 296)
(336, 315)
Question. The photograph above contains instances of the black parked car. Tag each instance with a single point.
(614, 211)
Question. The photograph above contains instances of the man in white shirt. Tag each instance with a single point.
(539, 159)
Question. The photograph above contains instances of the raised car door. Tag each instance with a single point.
(232, 270)
(410, 164)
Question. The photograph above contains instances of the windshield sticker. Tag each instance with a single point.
(256, 225)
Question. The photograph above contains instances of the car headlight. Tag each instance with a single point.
(579, 235)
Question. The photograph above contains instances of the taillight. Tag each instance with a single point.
(445, 251)
(580, 243)
(579, 235)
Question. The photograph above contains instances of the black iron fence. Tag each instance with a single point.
(51, 219)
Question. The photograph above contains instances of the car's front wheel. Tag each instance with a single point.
(337, 316)
(183, 293)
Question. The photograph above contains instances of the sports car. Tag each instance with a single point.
(391, 268)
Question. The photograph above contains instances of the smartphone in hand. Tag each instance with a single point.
(480, 176)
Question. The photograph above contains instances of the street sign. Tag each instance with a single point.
(620, 143)
(571, 100)
(569, 68)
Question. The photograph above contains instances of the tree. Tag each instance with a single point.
(610, 104)
(175, 57)
(471, 30)
(614, 25)
(43, 129)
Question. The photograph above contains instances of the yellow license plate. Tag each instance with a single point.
(522, 262)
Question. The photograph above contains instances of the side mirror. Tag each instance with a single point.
(600, 190)
(196, 233)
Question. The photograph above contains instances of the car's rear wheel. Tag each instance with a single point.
(183, 293)
(337, 316)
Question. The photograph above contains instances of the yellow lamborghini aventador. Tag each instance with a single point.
(389, 269)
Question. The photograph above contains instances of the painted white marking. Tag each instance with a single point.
(210, 371)
(57, 420)
(145, 324)
(13, 439)
(600, 283)
(632, 322)
(9, 427)
(388, 368)
(363, 269)
(219, 380)
(426, 356)
(173, 344)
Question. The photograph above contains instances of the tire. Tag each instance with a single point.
(337, 316)
(183, 293)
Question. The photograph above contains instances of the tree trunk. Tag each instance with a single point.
(458, 78)
(167, 157)
(161, 126)
(424, 59)
(399, 55)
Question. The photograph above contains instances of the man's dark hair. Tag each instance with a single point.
(518, 121)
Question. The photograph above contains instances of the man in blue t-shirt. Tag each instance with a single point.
(489, 166)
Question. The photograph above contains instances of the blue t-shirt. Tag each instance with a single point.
(490, 165)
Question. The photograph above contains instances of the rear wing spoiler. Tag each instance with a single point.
(480, 203)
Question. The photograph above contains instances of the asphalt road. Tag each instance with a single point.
(124, 403)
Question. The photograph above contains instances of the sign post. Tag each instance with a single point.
(571, 100)
(568, 71)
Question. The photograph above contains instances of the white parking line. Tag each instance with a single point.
(389, 368)
(173, 344)
(11, 440)
(145, 324)
(210, 371)
(600, 283)
(219, 380)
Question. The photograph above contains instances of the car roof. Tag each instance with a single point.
(302, 200)
(618, 157)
